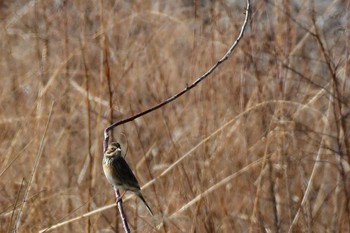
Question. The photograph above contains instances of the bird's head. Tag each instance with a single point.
(113, 149)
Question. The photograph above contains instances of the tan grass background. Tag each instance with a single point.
(260, 146)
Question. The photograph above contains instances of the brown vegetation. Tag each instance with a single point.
(261, 145)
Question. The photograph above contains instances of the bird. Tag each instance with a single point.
(119, 174)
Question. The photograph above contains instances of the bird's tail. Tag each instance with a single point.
(144, 201)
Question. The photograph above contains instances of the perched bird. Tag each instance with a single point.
(118, 172)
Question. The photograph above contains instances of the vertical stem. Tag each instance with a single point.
(273, 197)
(34, 170)
(91, 158)
(105, 73)
(68, 159)
(121, 210)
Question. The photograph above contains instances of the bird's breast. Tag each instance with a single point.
(112, 178)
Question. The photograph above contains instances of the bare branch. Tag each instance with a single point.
(121, 210)
(167, 101)
(188, 87)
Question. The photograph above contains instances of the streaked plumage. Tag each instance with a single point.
(118, 172)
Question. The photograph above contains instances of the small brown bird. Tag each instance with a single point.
(118, 172)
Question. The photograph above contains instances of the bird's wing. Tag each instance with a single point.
(125, 174)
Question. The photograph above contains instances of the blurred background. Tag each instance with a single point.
(262, 145)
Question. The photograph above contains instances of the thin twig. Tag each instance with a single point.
(15, 205)
(337, 106)
(15, 158)
(35, 166)
(119, 202)
(105, 73)
(88, 108)
(315, 169)
(188, 87)
(167, 101)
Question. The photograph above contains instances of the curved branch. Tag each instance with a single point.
(188, 88)
(172, 98)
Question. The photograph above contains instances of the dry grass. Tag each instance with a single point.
(260, 146)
